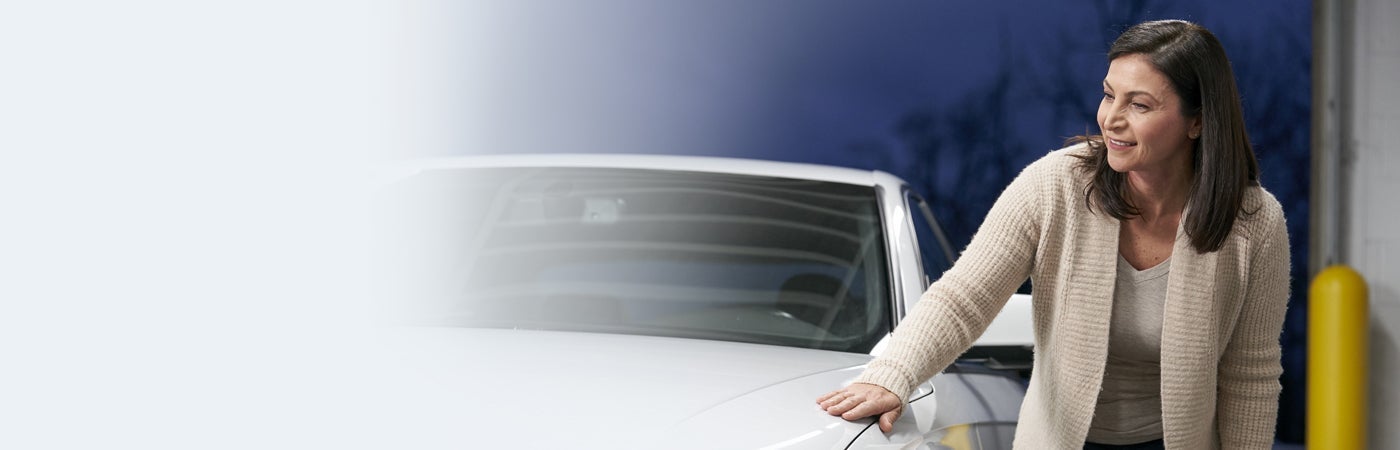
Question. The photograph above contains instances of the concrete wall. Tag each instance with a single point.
(1371, 219)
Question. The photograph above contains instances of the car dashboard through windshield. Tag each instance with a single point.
(745, 258)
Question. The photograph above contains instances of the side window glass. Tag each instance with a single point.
(934, 249)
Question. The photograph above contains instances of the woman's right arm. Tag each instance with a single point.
(958, 307)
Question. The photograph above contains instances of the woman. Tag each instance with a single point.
(1160, 269)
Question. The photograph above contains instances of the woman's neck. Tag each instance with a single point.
(1159, 194)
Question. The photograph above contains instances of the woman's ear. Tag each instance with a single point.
(1195, 131)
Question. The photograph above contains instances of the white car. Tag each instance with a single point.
(625, 301)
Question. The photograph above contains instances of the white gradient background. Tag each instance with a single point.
(725, 78)
(603, 76)
(181, 221)
(183, 216)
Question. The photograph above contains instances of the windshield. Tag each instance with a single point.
(700, 255)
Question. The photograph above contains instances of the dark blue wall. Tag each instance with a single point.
(954, 96)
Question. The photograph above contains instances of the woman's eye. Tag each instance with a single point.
(1107, 97)
(1139, 106)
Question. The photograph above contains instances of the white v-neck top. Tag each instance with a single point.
(1129, 408)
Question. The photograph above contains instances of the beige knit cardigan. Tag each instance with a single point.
(1220, 332)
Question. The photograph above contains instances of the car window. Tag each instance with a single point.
(934, 252)
(715, 256)
(934, 249)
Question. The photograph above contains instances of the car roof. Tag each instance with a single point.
(708, 164)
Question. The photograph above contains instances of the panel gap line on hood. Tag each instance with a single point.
(873, 421)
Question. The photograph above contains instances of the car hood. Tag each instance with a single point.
(450, 387)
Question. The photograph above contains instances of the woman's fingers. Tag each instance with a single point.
(830, 398)
(862, 400)
(839, 401)
(860, 408)
(887, 419)
(846, 404)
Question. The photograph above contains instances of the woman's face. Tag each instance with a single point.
(1140, 118)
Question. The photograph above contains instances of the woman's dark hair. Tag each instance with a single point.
(1222, 161)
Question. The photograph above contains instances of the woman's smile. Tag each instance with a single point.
(1120, 145)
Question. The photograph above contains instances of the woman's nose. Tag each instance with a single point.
(1112, 119)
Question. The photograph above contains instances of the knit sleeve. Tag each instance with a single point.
(957, 308)
(1250, 367)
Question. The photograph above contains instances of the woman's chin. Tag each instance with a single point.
(1118, 164)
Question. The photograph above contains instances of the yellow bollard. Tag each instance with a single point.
(1337, 334)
